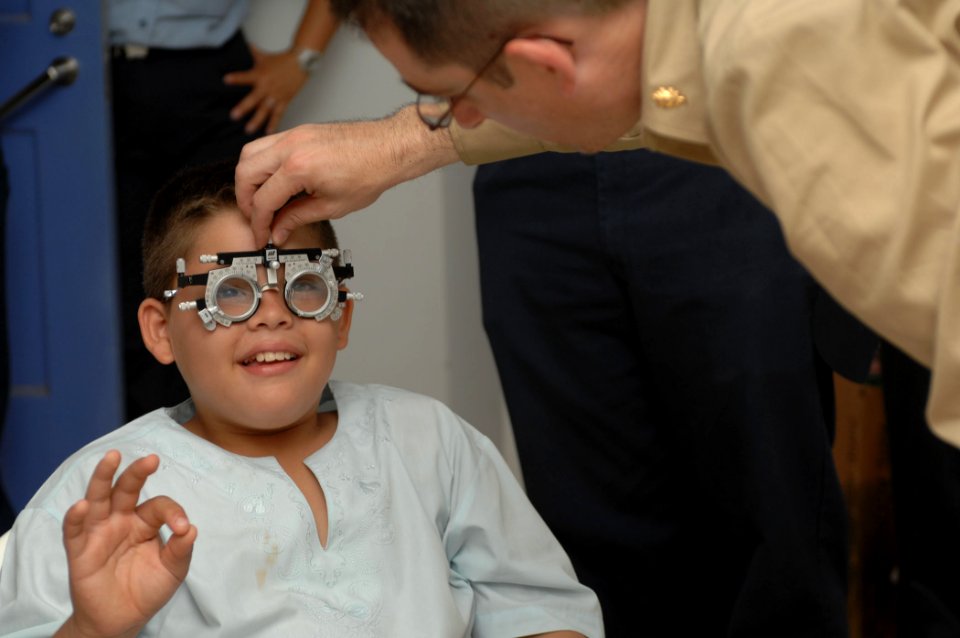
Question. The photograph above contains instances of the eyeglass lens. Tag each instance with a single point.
(434, 110)
(306, 295)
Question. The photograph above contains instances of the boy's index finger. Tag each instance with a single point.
(126, 491)
(101, 485)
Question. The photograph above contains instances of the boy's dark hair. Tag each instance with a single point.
(463, 31)
(190, 198)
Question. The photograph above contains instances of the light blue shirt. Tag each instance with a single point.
(175, 24)
(429, 534)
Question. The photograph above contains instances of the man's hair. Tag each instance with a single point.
(179, 208)
(463, 31)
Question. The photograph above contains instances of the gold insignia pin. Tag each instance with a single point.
(668, 97)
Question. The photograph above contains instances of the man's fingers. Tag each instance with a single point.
(240, 77)
(255, 167)
(296, 213)
(126, 491)
(270, 197)
(100, 487)
(245, 106)
(259, 116)
(255, 147)
(275, 117)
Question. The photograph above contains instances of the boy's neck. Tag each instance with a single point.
(290, 443)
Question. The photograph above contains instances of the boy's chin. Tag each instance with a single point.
(277, 418)
(273, 415)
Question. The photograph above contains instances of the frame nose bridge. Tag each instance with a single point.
(271, 309)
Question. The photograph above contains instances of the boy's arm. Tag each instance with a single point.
(121, 573)
(499, 545)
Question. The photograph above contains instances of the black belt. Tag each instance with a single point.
(136, 52)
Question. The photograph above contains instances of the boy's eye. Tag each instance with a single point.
(308, 293)
(235, 297)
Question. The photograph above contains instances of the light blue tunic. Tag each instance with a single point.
(429, 534)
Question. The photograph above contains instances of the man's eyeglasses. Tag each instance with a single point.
(436, 111)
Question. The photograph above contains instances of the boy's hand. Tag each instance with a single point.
(121, 573)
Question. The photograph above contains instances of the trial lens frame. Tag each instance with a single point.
(297, 262)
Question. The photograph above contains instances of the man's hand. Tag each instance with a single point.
(121, 573)
(274, 80)
(339, 167)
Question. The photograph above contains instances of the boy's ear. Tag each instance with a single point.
(346, 317)
(152, 316)
(542, 55)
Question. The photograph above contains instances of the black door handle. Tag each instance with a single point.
(61, 72)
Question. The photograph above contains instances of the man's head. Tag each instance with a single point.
(565, 71)
(441, 31)
(264, 372)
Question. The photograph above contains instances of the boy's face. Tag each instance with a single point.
(228, 385)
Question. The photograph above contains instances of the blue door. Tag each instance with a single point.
(60, 281)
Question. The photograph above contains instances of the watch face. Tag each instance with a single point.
(308, 59)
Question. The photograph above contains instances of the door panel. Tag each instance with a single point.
(60, 279)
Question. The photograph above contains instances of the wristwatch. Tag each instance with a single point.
(308, 59)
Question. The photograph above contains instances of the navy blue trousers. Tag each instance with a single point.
(653, 339)
(926, 501)
(6, 510)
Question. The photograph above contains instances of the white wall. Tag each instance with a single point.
(414, 250)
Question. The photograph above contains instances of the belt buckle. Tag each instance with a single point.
(135, 51)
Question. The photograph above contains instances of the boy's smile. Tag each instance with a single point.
(263, 375)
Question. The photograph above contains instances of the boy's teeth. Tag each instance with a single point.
(269, 357)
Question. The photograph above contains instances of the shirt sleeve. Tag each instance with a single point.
(492, 142)
(523, 581)
(34, 589)
(842, 118)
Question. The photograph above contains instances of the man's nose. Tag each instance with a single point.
(467, 115)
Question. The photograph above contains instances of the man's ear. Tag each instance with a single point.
(152, 316)
(346, 317)
(544, 55)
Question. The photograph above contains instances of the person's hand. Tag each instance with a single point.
(324, 171)
(121, 573)
(274, 80)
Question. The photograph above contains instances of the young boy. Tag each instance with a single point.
(378, 513)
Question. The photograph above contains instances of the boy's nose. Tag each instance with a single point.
(272, 311)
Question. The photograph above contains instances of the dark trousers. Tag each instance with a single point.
(926, 500)
(6, 510)
(170, 110)
(653, 341)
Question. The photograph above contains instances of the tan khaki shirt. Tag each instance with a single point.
(843, 116)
